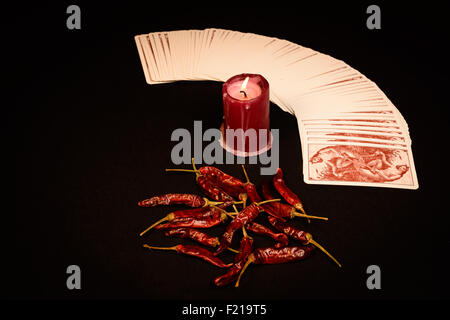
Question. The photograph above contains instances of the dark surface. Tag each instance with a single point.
(90, 139)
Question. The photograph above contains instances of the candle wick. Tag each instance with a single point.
(245, 94)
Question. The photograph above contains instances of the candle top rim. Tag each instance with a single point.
(261, 83)
(252, 87)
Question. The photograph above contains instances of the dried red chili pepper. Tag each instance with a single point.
(289, 230)
(196, 235)
(210, 188)
(245, 250)
(281, 209)
(206, 222)
(195, 251)
(275, 256)
(203, 217)
(281, 238)
(200, 212)
(193, 234)
(245, 216)
(250, 188)
(231, 185)
(215, 173)
(300, 235)
(285, 192)
(191, 200)
(228, 184)
(245, 247)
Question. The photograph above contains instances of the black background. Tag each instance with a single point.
(88, 138)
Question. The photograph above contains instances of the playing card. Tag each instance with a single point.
(156, 47)
(357, 136)
(148, 60)
(349, 127)
(359, 165)
(144, 62)
(353, 140)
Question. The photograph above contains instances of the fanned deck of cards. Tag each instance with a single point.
(351, 134)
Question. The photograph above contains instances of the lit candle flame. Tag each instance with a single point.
(244, 84)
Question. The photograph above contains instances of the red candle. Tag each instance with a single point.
(246, 107)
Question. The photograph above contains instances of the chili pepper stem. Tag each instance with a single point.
(299, 207)
(195, 169)
(181, 170)
(211, 203)
(233, 250)
(245, 233)
(251, 258)
(160, 248)
(245, 173)
(155, 224)
(243, 197)
(310, 240)
(267, 201)
(296, 214)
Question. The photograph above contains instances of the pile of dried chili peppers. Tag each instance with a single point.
(224, 192)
